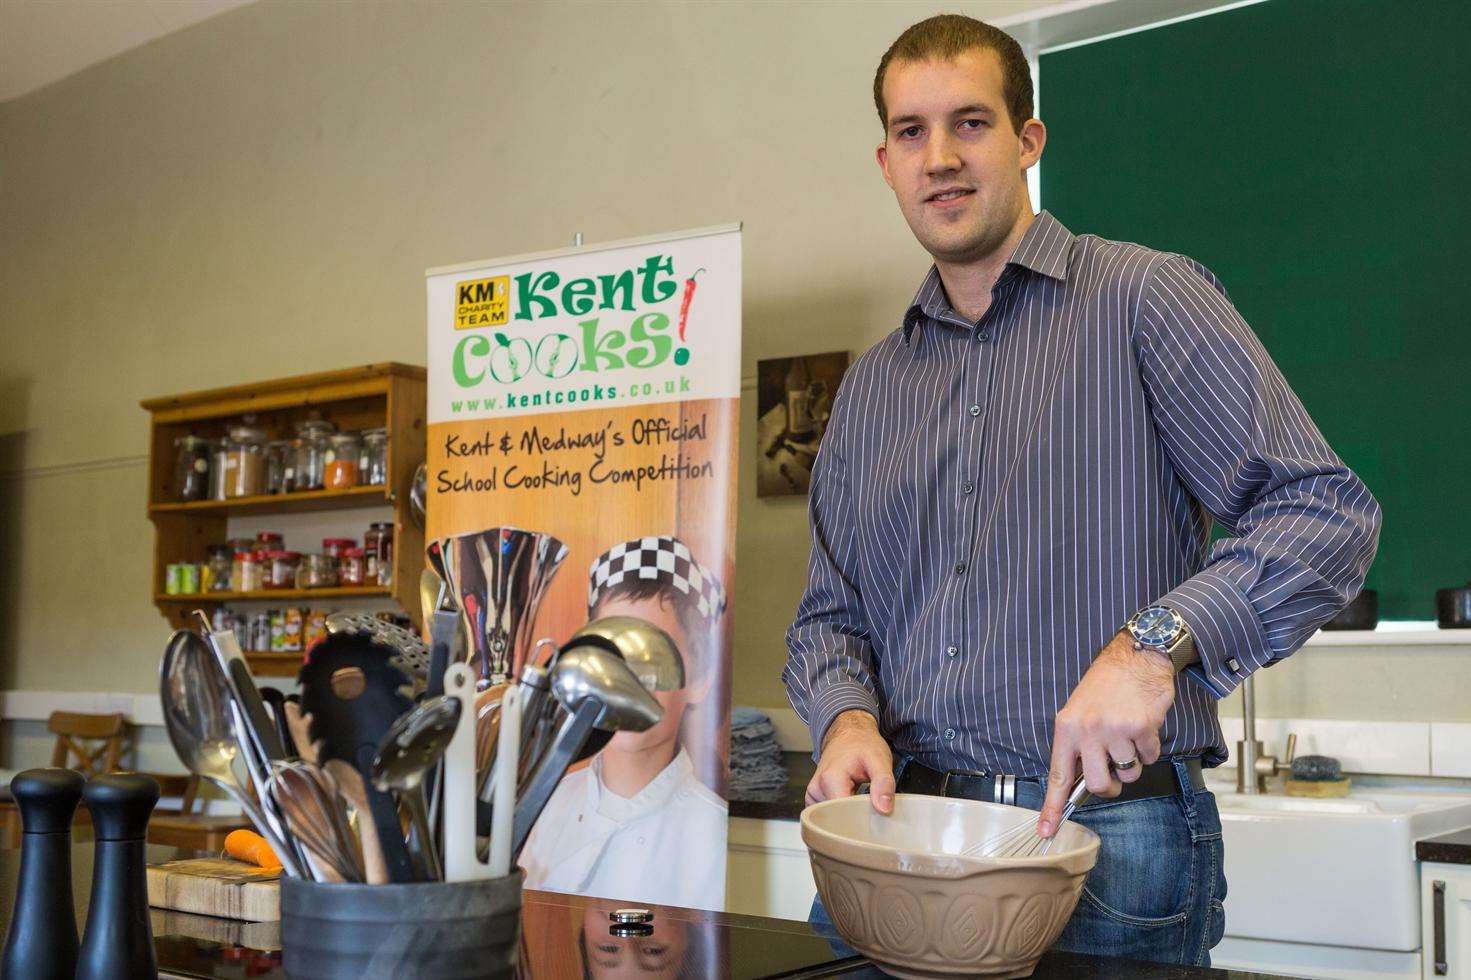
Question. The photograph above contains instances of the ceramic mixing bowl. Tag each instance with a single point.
(902, 893)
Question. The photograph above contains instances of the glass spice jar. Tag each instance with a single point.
(245, 462)
(372, 537)
(218, 455)
(311, 444)
(336, 546)
(350, 567)
(191, 468)
(280, 570)
(341, 471)
(217, 573)
(317, 572)
(373, 462)
(269, 541)
(384, 564)
(246, 572)
(278, 465)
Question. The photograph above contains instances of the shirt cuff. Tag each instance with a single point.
(832, 701)
(1228, 633)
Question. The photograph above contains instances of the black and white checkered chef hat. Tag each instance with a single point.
(665, 559)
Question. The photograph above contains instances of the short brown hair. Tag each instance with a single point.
(948, 35)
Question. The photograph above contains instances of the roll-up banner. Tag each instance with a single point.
(583, 408)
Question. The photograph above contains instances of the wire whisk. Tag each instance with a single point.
(1023, 839)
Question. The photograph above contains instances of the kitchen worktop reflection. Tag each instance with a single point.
(566, 936)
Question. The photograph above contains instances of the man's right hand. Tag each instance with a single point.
(854, 752)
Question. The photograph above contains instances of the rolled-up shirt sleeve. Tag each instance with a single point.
(1302, 527)
(830, 658)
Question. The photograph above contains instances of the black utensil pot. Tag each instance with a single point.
(429, 930)
(42, 944)
(1453, 608)
(118, 942)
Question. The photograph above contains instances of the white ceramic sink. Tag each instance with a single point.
(1339, 872)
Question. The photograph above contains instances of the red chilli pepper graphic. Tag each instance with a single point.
(684, 307)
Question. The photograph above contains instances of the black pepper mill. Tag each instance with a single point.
(118, 942)
(43, 925)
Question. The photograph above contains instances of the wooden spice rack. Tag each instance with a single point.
(377, 395)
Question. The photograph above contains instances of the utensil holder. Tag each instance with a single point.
(429, 930)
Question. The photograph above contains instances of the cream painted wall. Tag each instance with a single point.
(259, 195)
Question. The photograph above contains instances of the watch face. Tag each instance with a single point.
(1156, 626)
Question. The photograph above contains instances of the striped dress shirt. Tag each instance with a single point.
(993, 500)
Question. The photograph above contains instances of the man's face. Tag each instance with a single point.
(951, 155)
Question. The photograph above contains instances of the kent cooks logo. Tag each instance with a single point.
(592, 344)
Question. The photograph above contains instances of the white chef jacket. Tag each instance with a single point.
(663, 846)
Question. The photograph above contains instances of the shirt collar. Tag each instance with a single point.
(655, 796)
(1044, 249)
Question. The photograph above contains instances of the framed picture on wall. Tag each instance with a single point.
(794, 399)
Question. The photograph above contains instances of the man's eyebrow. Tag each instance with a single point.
(977, 108)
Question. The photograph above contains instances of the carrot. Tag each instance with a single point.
(252, 848)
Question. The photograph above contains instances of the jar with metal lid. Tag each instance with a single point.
(373, 463)
(191, 468)
(341, 470)
(336, 546)
(311, 444)
(280, 569)
(317, 572)
(246, 572)
(278, 465)
(350, 567)
(245, 462)
(371, 539)
(218, 455)
(217, 572)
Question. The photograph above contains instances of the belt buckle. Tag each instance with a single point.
(1003, 786)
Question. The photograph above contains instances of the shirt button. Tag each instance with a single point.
(1234, 664)
(967, 487)
(952, 650)
(949, 734)
(960, 568)
(982, 335)
(975, 410)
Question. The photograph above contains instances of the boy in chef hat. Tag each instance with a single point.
(637, 823)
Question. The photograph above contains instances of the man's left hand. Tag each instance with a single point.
(1112, 717)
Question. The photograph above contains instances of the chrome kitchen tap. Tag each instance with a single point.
(1250, 757)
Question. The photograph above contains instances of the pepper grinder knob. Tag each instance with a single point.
(42, 942)
(118, 942)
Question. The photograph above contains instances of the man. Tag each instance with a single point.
(1011, 580)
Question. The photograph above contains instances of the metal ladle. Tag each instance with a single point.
(410, 748)
(197, 713)
(600, 691)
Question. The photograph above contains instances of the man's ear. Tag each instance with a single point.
(882, 155)
(1033, 138)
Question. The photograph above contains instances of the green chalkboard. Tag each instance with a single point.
(1316, 155)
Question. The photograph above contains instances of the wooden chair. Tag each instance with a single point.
(184, 827)
(75, 737)
(90, 744)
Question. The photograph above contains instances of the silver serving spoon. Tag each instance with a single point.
(198, 714)
(649, 651)
(408, 751)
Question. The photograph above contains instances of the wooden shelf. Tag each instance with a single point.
(335, 592)
(389, 396)
(280, 503)
(274, 664)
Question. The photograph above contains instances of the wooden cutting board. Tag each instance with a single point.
(216, 886)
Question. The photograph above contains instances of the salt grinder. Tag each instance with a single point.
(43, 927)
(118, 942)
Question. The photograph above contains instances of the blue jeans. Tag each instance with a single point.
(1155, 893)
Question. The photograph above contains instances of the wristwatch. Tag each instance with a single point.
(1161, 628)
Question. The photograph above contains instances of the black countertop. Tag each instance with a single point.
(1452, 848)
(566, 936)
(789, 803)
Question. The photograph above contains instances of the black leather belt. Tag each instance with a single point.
(1156, 779)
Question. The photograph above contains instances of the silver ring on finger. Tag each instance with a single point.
(1126, 766)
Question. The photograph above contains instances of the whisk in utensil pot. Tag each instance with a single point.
(1023, 840)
